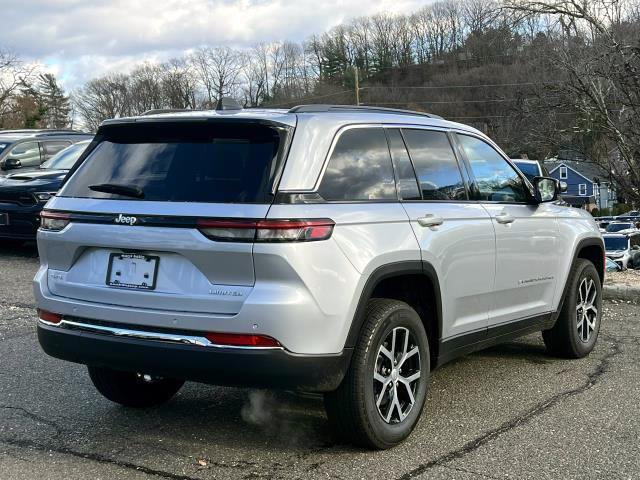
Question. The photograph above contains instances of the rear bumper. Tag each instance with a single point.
(243, 367)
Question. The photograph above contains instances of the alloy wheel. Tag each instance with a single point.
(396, 377)
(586, 309)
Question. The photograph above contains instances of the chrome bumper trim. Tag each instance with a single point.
(145, 335)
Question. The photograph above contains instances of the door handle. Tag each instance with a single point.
(430, 220)
(504, 218)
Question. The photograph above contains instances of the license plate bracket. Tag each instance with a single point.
(133, 271)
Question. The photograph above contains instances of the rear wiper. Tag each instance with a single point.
(125, 190)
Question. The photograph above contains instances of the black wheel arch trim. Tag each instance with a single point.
(384, 272)
(585, 242)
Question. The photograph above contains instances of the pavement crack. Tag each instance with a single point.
(592, 378)
(95, 457)
(37, 418)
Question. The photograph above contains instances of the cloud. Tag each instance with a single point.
(80, 39)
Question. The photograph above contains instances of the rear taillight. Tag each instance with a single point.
(242, 340)
(53, 221)
(49, 317)
(276, 230)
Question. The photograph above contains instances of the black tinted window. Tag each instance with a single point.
(359, 168)
(187, 162)
(405, 175)
(435, 164)
(497, 181)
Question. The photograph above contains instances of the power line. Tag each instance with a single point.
(511, 116)
(304, 99)
(427, 102)
(434, 87)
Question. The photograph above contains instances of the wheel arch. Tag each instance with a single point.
(591, 249)
(414, 282)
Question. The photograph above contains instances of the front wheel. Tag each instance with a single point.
(133, 389)
(576, 330)
(379, 402)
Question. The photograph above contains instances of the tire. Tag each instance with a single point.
(353, 411)
(132, 389)
(576, 330)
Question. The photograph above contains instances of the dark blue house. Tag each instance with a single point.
(588, 184)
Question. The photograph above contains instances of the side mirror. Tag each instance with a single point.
(562, 186)
(546, 189)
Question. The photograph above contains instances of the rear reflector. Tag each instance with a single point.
(49, 317)
(53, 221)
(276, 230)
(241, 340)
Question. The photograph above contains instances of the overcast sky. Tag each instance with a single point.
(79, 39)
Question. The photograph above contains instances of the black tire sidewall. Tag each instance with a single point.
(402, 316)
(587, 270)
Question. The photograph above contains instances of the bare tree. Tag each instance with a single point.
(601, 58)
(14, 75)
(217, 69)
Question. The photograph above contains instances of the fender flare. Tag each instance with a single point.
(410, 267)
(585, 242)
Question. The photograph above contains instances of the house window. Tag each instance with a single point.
(582, 189)
(563, 173)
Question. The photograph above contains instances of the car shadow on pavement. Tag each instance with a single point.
(10, 248)
(525, 350)
(228, 418)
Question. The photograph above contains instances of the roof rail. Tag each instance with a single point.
(155, 111)
(320, 108)
(37, 130)
(61, 132)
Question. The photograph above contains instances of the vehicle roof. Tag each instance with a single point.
(524, 160)
(289, 117)
(620, 234)
(15, 137)
(316, 130)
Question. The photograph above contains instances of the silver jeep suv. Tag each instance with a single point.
(333, 249)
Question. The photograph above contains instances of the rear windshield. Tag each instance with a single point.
(617, 227)
(615, 243)
(182, 162)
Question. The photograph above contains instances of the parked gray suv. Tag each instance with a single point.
(31, 147)
(333, 249)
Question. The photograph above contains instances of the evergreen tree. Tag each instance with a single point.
(54, 104)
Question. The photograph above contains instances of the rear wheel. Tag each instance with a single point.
(576, 330)
(133, 389)
(380, 399)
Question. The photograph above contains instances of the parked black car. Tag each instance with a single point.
(24, 193)
(29, 148)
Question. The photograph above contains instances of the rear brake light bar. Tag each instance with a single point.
(275, 230)
(54, 221)
(219, 229)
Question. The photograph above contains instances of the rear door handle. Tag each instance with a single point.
(504, 218)
(430, 220)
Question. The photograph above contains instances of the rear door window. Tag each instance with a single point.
(183, 162)
(359, 168)
(436, 165)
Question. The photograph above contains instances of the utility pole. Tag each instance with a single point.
(357, 85)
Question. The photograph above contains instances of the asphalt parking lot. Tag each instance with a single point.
(507, 412)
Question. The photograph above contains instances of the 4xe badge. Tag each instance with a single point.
(126, 220)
